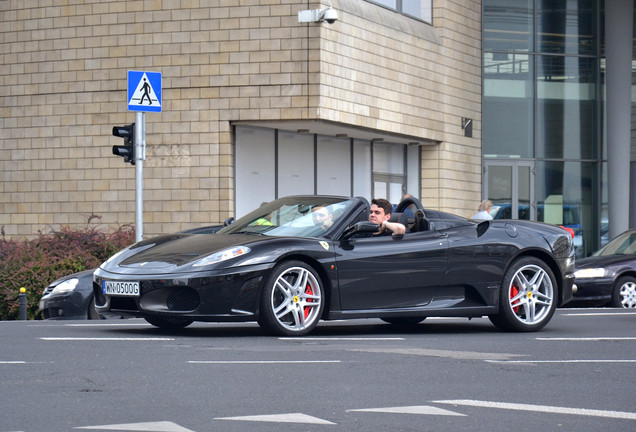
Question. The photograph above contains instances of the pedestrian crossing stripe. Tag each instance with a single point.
(161, 426)
(144, 91)
(281, 418)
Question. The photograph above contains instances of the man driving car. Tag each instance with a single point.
(380, 214)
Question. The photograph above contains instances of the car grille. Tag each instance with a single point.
(123, 303)
(184, 299)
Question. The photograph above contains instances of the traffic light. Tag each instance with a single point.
(127, 151)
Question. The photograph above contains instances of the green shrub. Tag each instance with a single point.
(33, 264)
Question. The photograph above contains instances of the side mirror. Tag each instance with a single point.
(361, 227)
(228, 221)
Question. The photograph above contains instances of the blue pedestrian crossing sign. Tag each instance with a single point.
(144, 91)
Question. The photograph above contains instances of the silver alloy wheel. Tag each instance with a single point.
(627, 294)
(296, 299)
(531, 294)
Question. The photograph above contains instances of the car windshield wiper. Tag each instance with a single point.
(260, 233)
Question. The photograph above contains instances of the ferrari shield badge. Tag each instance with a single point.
(325, 245)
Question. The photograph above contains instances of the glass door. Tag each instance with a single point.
(510, 186)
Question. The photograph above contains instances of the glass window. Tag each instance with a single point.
(604, 206)
(362, 168)
(422, 9)
(508, 25)
(388, 187)
(567, 26)
(272, 164)
(388, 3)
(566, 107)
(293, 216)
(255, 168)
(500, 191)
(508, 105)
(389, 178)
(333, 165)
(388, 158)
(295, 164)
(413, 161)
(566, 196)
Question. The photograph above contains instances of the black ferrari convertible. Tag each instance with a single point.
(300, 259)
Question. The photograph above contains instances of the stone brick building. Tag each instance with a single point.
(375, 104)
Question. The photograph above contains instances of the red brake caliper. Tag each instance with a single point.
(513, 293)
(309, 291)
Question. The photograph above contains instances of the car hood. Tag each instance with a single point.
(179, 249)
(177, 253)
(605, 261)
(86, 273)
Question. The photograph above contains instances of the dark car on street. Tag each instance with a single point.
(70, 297)
(280, 267)
(609, 275)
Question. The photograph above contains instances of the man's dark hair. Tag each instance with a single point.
(383, 204)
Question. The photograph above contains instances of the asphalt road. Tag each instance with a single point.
(442, 375)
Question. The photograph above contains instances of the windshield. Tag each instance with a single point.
(624, 244)
(302, 216)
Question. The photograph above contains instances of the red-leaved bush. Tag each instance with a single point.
(33, 264)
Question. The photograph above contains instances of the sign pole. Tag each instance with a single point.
(140, 156)
(144, 95)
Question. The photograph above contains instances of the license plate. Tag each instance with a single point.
(120, 288)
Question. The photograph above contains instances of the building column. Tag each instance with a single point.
(618, 82)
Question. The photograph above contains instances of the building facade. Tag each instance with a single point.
(254, 105)
(389, 99)
(554, 130)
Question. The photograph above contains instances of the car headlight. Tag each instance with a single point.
(65, 287)
(589, 273)
(222, 256)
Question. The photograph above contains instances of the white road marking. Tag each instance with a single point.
(12, 362)
(109, 325)
(599, 313)
(541, 408)
(281, 418)
(417, 409)
(585, 338)
(561, 361)
(106, 339)
(464, 355)
(161, 426)
(337, 339)
(261, 361)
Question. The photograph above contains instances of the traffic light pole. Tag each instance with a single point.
(140, 156)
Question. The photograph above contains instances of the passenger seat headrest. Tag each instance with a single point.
(401, 218)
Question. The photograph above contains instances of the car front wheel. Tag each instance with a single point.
(624, 293)
(528, 296)
(292, 300)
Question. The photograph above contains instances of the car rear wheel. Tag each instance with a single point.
(528, 296)
(168, 323)
(292, 300)
(624, 293)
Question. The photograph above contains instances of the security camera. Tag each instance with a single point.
(330, 15)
